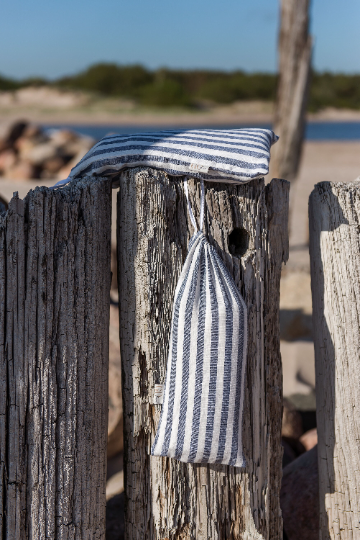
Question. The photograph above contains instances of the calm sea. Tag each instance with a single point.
(315, 131)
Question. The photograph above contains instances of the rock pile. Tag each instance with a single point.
(27, 151)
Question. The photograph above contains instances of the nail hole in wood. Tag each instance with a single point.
(238, 242)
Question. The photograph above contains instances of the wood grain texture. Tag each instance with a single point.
(54, 327)
(334, 213)
(295, 46)
(167, 499)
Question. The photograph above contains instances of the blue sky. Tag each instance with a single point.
(55, 38)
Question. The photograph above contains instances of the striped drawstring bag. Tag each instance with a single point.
(201, 418)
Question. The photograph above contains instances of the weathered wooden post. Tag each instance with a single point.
(54, 299)
(167, 499)
(334, 213)
(295, 47)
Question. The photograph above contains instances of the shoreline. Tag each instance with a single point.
(215, 117)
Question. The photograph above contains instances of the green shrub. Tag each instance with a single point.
(334, 90)
(165, 93)
(8, 84)
(184, 88)
(227, 88)
(110, 80)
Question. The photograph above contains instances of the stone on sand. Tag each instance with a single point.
(10, 131)
(291, 421)
(300, 497)
(309, 439)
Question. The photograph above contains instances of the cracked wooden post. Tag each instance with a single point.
(167, 499)
(334, 213)
(54, 299)
(295, 46)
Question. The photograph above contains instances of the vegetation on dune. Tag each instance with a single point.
(334, 90)
(181, 88)
(8, 84)
(166, 87)
(109, 80)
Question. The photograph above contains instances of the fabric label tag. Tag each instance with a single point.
(158, 394)
(196, 167)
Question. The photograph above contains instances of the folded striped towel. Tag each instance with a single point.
(232, 156)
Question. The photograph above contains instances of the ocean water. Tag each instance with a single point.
(315, 131)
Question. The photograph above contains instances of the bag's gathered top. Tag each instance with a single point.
(201, 416)
(231, 156)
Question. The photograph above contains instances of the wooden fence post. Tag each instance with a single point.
(54, 339)
(295, 47)
(334, 213)
(167, 499)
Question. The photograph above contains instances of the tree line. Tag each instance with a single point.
(193, 88)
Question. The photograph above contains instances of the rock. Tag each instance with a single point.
(115, 485)
(79, 147)
(292, 449)
(291, 421)
(24, 145)
(115, 425)
(39, 153)
(309, 439)
(52, 166)
(22, 170)
(71, 143)
(7, 160)
(33, 131)
(289, 453)
(32, 136)
(115, 517)
(28, 151)
(9, 132)
(65, 171)
(299, 497)
(60, 137)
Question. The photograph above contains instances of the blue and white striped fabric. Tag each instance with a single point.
(232, 156)
(201, 418)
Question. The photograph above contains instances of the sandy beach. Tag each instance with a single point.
(219, 116)
(321, 162)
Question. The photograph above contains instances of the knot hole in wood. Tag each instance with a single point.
(238, 242)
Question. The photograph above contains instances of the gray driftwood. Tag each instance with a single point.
(295, 46)
(167, 499)
(334, 213)
(54, 311)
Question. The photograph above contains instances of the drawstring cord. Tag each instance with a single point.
(202, 205)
